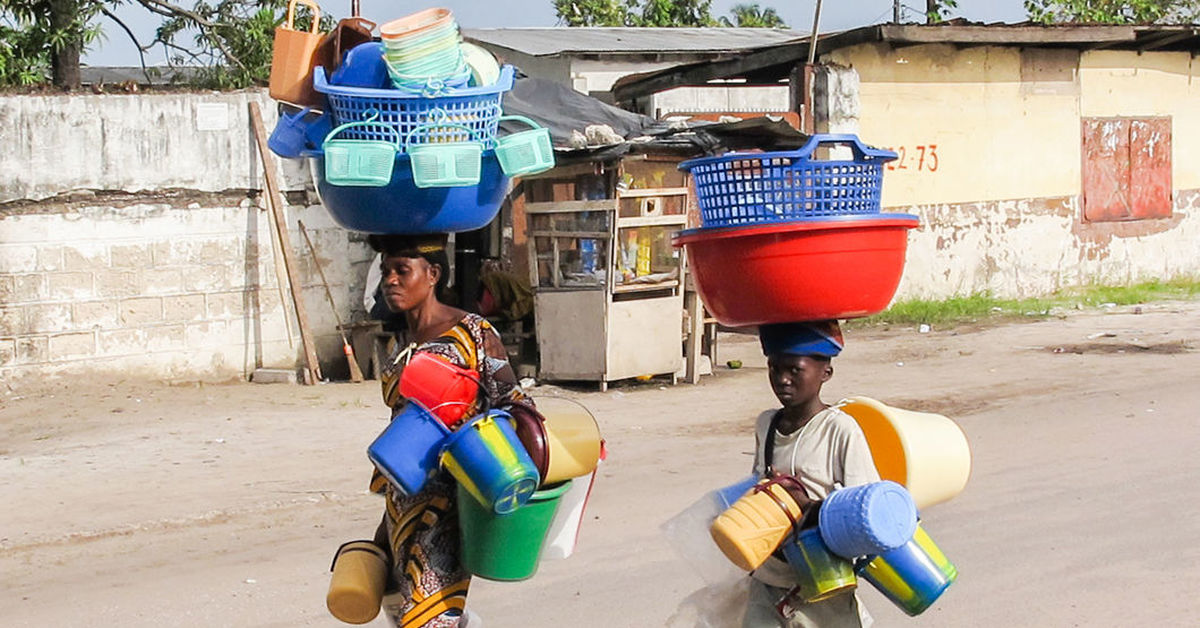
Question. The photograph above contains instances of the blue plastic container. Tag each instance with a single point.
(400, 207)
(868, 519)
(754, 188)
(734, 492)
(487, 459)
(476, 107)
(820, 574)
(362, 66)
(913, 576)
(293, 133)
(407, 452)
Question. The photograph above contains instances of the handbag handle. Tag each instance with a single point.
(534, 125)
(291, 14)
(371, 122)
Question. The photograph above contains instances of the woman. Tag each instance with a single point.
(427, 585)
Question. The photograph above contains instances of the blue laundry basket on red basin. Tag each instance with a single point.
(743, 189)
(400, 207)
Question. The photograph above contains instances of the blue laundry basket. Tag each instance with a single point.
(742, 189)
(477, 108)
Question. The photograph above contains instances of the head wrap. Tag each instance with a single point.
(823, 338)
(408, 245)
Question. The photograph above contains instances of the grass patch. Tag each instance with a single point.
(983, 306)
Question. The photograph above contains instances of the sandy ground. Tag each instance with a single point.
(128, 504)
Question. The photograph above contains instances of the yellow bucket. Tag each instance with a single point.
(755, 525)
(927, 453)
(572, 439)
(356, 587)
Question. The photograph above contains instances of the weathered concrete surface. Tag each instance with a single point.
(196, 141)
(1034, 247)
(222, 506)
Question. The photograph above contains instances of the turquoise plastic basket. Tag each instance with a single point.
(525, 152)
(445, 164)
(360, 162)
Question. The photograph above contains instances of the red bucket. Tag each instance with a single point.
(448, 390)
(803, 270)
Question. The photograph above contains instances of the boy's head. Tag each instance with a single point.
(799, 358)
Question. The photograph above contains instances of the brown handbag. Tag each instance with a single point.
(293, 58)
(348, 33)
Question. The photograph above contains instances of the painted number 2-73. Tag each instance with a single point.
(919, 158)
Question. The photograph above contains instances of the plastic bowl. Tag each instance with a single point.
(803, 270)
(400, 207)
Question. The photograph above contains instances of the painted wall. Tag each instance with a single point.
(990, 141)
(147, 257)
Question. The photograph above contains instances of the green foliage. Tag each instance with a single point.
(660, 13)
(753, 16)
(32, 31)
(1113, 11)
(982, 306)
(938, 10)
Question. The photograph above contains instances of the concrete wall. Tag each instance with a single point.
(167, 272)
(990, 140)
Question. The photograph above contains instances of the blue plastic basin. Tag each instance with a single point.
(400, 207)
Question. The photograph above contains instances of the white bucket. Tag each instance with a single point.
(564, 527)
(927, 453)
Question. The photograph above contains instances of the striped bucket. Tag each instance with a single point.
(914, 575)
(489, 463)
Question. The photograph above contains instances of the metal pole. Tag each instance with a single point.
(354, 8)
(812, 44)
(895, 12)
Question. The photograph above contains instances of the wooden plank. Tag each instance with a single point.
(691, 303)
(701, 73)
(554, 233)
(946, 34)
(642, 193)
(645, 287)
(552, 207)
(312, 368)
(652, 221)
(355, 372)
(563, 172)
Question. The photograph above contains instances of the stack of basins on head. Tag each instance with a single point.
(787, 237)
(407, 137)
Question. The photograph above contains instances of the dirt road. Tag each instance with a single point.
(127, 504)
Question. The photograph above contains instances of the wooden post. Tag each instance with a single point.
(312, 369)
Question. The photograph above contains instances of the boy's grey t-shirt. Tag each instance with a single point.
(829, 452)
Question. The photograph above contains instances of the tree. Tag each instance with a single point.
(659, 13)
(753, 16)
(1114, 11)
(230, 39)
(937, 10)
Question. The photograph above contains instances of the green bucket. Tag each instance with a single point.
(525, 152)
(444, 162)
(352, 162)
(506, 547)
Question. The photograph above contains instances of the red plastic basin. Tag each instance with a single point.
(800, 270)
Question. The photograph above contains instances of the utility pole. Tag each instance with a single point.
(896, 11)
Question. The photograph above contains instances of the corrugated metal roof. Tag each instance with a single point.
(599, 40)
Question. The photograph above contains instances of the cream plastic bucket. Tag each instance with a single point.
(356, 586)
(572, 438)
(926, 453)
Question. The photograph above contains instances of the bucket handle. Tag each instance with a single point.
(534, 125)
(312, 6)
(861, 150)
(368, 122)
(765, 487)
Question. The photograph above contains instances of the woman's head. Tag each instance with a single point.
(414, 269)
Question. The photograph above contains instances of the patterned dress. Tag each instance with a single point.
(428, 587)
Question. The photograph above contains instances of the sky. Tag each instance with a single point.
(116, 49)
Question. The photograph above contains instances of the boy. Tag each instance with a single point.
(821, 446)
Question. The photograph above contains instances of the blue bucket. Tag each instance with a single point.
(487, 459)
(406, 453)
(362, 66)
(400, 207)
(868, 519)
(290, 135)
(913, 576)
(734, 492)
(820, 573)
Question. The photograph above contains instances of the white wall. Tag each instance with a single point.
(167, 272)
